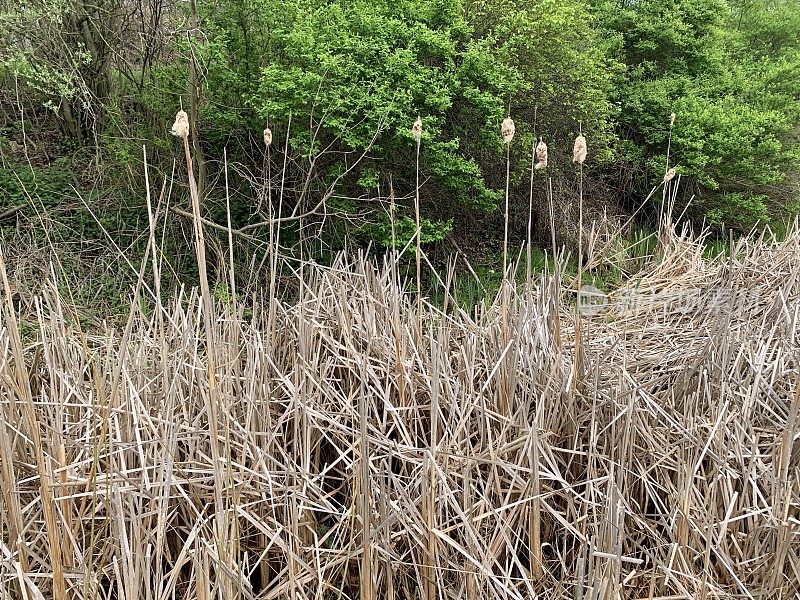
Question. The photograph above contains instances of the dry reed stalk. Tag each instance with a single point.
(416, 132)
(181, 129)
(367, 591)
(528, 238)
(507, 131)
(579, 156)
(669, 173)
(556, 306)
(10, 490)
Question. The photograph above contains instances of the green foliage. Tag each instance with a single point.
(404, 230)
(566, 65)
(353, 76)
(739, 210)
(46, 186)
(735, 111)
(55, 75)
(362, 71)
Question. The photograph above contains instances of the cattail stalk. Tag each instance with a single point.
(530, 218)
(530, 201)
(578, 156)
(669, 174)
(181, 129)
(429, 508)
(507, 131)
(416, 131)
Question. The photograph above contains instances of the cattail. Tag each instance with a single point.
(672, 119)
(507, 130)
(416, 130)
(180, 128)
(670, 175)
(541, 155)
(579, 152)
(267, 137)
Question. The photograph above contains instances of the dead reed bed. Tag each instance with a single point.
(357, 444)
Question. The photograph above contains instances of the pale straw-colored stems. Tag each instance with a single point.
(21, 386)
(507, 130)
(614, 463)
(181, 129)
(669, 173)
(579, 156)
(416, 132)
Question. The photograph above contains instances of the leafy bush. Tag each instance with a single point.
(353, 77)
(735, 110)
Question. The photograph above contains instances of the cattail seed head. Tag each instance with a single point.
(579, 151)
(180, 128)
(267, 137)
(507, 130)
(416, 130)
(541, 155)
(670, 175)
(672, 119)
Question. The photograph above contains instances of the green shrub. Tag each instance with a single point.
(736, 109)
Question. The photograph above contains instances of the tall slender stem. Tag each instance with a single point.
(530, 213)
(419, 238)
(505, 229)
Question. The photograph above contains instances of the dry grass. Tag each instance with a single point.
(347, 445)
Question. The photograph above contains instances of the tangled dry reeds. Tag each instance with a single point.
(367, 450)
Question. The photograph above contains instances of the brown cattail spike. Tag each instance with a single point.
(267, 137)
(416, 130)
(507, 130)
(180, 128)
(541, 155)
(579, 151)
